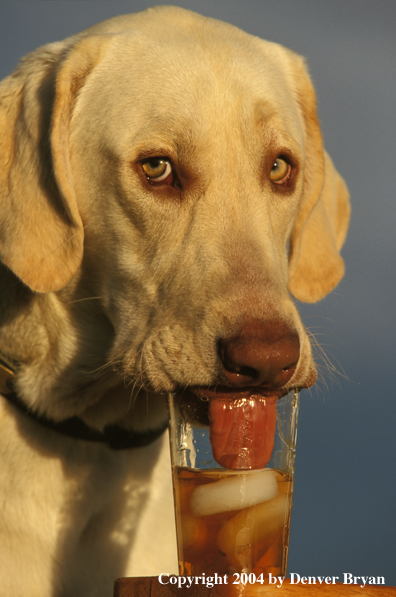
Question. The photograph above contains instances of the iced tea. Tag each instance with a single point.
(232, 521)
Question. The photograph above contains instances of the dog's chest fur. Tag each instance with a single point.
(79, 506)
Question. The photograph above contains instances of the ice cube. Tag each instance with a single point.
(194, 532)
(256, 525)
(238, 491)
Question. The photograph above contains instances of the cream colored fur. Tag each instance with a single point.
(114, 291)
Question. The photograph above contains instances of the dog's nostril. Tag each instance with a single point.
(241, 371)
(249, 372)
(232, 367)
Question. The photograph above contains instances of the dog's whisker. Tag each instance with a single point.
(84, 299)
(328, 367)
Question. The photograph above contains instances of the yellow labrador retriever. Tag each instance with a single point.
(163, 192)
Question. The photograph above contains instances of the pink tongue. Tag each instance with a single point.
(242, 431)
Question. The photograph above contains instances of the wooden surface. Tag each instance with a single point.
(151, 587)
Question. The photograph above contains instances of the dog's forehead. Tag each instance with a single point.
(217, 59)
(192, 78)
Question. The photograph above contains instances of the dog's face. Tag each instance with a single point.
(188, 156)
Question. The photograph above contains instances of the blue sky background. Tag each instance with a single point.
(345, 495)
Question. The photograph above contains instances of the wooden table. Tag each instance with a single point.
(151, 587)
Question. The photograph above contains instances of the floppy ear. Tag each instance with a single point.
(41, 233)
(316, 265)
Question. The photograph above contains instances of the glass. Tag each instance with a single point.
(233, 484)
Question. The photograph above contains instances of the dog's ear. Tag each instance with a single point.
(41, 232)
(316, 265)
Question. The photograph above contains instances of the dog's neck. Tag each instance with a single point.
(113, 436)
(56, 350)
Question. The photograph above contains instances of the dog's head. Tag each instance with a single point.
(172, 167)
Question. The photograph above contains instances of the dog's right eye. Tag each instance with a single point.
(280, 171)
(158, 170)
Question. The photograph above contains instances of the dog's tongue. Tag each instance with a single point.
(242, 431)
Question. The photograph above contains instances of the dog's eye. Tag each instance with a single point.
(280, 171)
(158, 170)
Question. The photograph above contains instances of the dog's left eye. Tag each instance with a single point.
(280, 171)
(158, 170)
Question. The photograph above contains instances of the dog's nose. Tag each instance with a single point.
(261, 354)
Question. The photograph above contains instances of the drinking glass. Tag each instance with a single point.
(233, 477)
